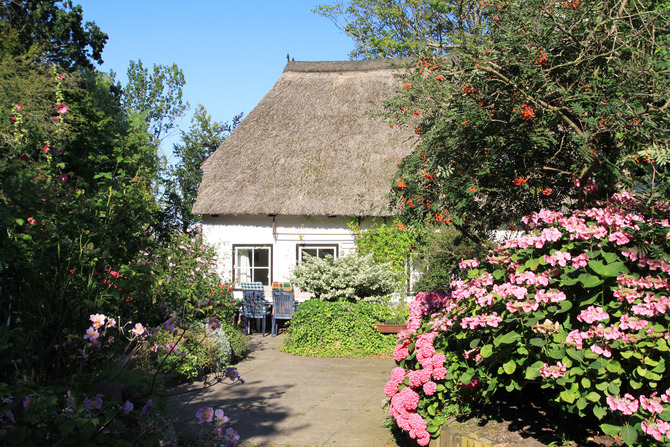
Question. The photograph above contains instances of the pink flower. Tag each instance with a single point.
(91, 334)
(627, 405)
(620, 237)
(580, 261)
(656, 429)
(592, 314)
(31, 221)
(429, 388)
(218, 414)
(46, 148)
(62, 108)
(138, 329)
(652, 405)
(555, 371)
(18, 107)
(205, 414)
(605, 352)
(98, 320)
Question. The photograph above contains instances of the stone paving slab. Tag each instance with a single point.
(298, 401)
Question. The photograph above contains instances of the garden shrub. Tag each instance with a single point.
(349, 278)
(578, 305)
(239, 346)
(338, 329)
(394, 245)
(441, 250)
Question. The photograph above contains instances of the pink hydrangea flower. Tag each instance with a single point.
(656, 429)
(652, 405)
(627, 405)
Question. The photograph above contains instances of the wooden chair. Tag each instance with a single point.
(283, 304)
(254, 306)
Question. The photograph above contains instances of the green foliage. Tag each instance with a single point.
(183, 179)
(157, 97)
(394, 28)
(62, 229)
(391, 245)
(349, 278)
(238, 343)
(442, 248)
(511, 120)
(338, 329)
(196, 351)
(50, 33)
(579, 305)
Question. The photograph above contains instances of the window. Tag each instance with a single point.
(253, 263)
(320, 251)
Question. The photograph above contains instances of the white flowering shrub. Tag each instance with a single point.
(349, 278)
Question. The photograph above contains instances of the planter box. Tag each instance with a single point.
(390, 328)
(452, 438)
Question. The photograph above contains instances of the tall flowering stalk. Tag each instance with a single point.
(578, 304)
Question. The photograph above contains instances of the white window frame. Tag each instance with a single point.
(300, 247)
(252, 267)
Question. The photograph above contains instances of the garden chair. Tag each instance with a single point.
(253, 305)
(283, 304)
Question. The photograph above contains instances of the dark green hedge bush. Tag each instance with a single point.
(339, 329)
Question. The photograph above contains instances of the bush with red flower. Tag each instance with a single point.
(578, 305)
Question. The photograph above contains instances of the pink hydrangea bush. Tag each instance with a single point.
(578, 304)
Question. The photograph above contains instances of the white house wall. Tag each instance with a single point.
(284, 235)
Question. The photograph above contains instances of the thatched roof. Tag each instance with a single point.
(310, 147)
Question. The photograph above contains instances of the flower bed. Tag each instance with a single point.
(578, 304)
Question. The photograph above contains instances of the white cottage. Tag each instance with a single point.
(308, 160)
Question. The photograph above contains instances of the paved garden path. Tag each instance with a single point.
(298, 401)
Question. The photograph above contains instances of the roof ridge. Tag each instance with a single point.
(338, 66)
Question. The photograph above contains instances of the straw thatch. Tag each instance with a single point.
(310, 147)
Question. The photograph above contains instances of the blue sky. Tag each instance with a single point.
(231, 52)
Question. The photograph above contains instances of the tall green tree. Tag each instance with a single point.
(395, 28)
(203, 137)
(156, 96)
(52, 31)
(555, 104)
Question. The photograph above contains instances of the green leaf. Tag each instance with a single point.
(509, 366)
(586, 383)
(599, 412)
(539, 342)
(507, 338)
(486, 351)
(575, 354)
(565, 306)
(610, 429)
(556, 352)
(533, 371)
(613, 388)
(589, 281)
(608, 270)
(593, 396)
(629, 434)
(581, 403)
(568, 396)
(19, 221)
